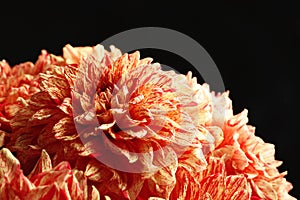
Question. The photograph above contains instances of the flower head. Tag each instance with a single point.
(96, 123)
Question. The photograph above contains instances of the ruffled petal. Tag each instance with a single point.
(13, 183)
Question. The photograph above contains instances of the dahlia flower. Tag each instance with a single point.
(94, 124)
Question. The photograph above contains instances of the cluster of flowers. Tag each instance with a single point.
(171, 137)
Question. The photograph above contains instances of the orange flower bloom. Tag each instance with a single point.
(143, 116)
(96, 123)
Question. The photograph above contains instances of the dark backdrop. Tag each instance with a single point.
(255, 46)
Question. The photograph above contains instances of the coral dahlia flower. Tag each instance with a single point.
(98, 124)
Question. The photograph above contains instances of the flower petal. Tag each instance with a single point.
(13, 183)
(43, 164)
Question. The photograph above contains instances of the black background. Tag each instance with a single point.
(255, 46)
